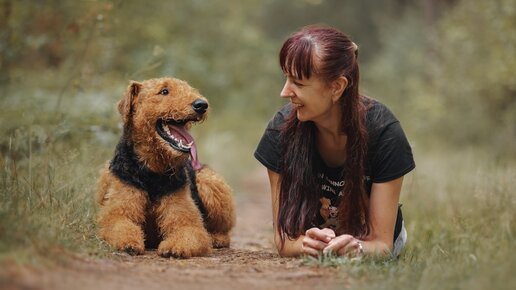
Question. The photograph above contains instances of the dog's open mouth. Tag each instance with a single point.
(175, 133)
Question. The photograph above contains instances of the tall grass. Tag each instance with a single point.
(48, 168)
(459, 210)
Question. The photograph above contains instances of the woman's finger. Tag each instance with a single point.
(351, 249)
(315, 244)
(318, 234)
(337, 244)
(329, 232)
(310, 251)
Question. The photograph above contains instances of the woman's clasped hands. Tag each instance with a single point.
(324, 241)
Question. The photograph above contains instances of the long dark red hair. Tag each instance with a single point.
(329, 54)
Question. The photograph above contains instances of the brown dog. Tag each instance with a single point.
(154, 190)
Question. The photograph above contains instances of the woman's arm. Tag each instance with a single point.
(291, 247)
(314, 240)
(383, 209)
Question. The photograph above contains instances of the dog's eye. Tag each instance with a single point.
(163, 92)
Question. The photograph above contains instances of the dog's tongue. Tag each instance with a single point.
(181, 133)
(196, 165)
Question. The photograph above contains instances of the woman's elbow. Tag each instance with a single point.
(382, 249)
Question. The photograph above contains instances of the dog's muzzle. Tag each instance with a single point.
(175, 134)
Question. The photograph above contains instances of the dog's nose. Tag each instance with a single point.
(200, 106)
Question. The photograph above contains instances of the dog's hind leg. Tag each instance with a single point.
(121, 215)
(181, 226)
(217, 198)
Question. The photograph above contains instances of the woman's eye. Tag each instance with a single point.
(164, 92)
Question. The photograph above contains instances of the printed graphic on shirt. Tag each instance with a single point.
(329, 214)
(332, 190)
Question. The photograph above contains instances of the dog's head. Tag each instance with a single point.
(157, 114)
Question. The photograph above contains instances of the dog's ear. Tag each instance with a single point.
(125, 106)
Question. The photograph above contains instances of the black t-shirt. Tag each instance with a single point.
(389, 157)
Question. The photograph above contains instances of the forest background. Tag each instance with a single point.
(446, 68)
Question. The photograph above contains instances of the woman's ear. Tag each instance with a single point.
(337, 88)
(125, 106)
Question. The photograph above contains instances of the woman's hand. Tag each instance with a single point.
(316, 240)
(344, 245)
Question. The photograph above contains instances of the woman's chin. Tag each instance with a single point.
(302, 117)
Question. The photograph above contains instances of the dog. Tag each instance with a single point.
(155, 192)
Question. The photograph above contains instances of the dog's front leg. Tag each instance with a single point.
(181, 226)
(218, 200)
(120, 218)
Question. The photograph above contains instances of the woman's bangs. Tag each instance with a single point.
(296, 59)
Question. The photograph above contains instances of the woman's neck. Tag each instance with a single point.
(331, 141)
(329, 128)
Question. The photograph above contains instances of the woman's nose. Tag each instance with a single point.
(286, 92)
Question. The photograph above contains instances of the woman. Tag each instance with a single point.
(335, 158)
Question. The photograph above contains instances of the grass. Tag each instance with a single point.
(458, 204)
(459, 211)
(46, 193)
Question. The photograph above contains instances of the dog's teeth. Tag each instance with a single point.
(181, 143)
(190, 144)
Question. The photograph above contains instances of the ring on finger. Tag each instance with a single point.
(360, 248)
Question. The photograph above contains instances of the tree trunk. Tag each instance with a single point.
(6, 39)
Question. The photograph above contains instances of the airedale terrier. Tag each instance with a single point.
(154, 192)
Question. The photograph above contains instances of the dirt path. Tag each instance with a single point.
(251, 262)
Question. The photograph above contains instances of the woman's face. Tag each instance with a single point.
(312, 98)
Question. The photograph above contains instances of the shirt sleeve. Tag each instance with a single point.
(393, 156)
(268, 151)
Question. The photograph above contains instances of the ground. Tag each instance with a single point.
(251, 262)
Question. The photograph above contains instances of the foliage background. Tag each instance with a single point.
(445, 67)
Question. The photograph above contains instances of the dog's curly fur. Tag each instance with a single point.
(149, 194)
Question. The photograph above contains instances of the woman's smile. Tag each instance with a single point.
(297, 105)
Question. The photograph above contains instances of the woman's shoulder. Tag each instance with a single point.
(377, 113)
(381, 123)
(389, 152)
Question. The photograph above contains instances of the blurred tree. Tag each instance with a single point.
(5, 41)
(362, 20)
(464, 87)
(446, 64)
(478, 48)
(215, 48)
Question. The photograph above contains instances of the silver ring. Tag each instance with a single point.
(360, 248)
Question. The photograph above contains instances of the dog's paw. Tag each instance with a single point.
(134, 250)
(132, 246)
(185, 244)
(220, 240)
(125, 236)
